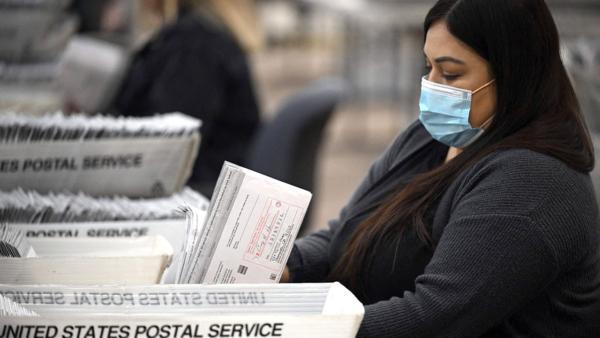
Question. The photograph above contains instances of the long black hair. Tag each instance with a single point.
(536, 109)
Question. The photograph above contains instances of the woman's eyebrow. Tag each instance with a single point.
(442, 59)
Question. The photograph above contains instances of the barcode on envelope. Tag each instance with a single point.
(242, 269)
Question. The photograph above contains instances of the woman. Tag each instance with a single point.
(197, 65)
(480, 219)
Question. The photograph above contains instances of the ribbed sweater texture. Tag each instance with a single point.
(517, 242)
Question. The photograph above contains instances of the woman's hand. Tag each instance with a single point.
(285, 277)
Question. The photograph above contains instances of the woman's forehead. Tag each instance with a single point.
(440, 42)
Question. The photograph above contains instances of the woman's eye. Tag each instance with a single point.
(450, 77)
(427, 69)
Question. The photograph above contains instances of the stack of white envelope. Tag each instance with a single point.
(244, 236)
(90, 261)
(248, 233)
(98, 155)
(101, 198)
(8, 308)
(72, 225)
(83, 246)
(21, 206)
(283, 310)
(13, 243)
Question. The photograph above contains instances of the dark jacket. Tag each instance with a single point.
(517, 249)
(195, 67)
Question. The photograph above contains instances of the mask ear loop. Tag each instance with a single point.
(488, 121)
(482, 87)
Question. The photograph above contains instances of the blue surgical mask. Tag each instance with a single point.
(445, 113)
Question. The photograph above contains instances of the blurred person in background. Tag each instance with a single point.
(480, 220)
(196, 64)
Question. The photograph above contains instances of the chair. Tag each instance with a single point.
(287, 147)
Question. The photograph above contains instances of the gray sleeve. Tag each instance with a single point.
(484, 268)
(309, 260)
(495, 254)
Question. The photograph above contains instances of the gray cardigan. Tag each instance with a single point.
(517, 251)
